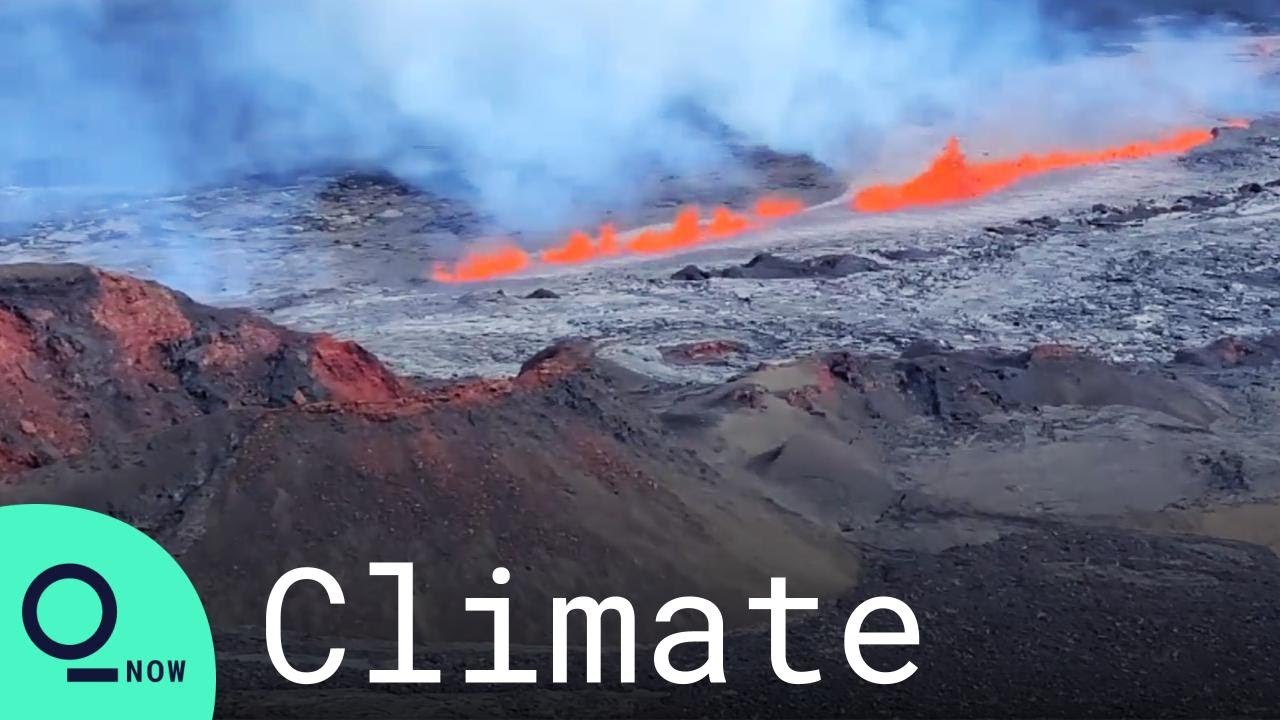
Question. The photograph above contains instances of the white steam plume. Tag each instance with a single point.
(551, 109)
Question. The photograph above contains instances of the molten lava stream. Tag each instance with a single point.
(476, 265)
(777, 207)
(952, 177)
(685, 231)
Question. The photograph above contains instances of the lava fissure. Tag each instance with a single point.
(688, 229)
(952, 177)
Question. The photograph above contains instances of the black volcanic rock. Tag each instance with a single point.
(702, 352)
(691, 273)
(767, 266)
(1233, 351)
(911, 254)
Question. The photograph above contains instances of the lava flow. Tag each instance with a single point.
(479, 265)
(688, 229)
(952, 177)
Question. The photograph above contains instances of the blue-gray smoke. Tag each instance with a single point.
(545, 107)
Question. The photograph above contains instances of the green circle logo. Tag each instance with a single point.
(97, 621)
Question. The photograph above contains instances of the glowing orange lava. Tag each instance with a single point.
(478, 265)
(952, 177)
(684, 232)
(725, 223)
(580, 248)
(777, 207)
(687, 230)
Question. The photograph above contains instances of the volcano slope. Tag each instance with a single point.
(1077, 536)
(248, 449)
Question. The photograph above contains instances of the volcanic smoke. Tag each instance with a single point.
(952, 177)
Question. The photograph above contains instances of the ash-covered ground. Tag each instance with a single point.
(1047, 420)
(1132, 261)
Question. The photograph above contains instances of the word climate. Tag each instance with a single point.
(777, 604)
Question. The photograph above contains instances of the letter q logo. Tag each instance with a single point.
(97, 620)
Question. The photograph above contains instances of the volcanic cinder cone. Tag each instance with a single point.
(248, 449)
